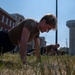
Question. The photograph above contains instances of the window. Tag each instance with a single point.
(3, 18)
(10, 23)
(17, 17)
(13, 24)
(7, 21)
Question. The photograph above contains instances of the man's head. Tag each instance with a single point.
(50, 21)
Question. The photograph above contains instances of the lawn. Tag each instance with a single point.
(10, 64)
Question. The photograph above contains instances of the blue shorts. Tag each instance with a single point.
(5, 43)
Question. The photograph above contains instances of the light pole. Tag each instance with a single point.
(56, 37)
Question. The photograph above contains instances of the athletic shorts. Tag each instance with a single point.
(5, 43)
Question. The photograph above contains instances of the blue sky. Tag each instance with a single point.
(37, 8)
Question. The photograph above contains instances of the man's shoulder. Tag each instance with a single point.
(30, 23)
(30, 20)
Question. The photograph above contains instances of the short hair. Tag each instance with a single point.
(50, 19)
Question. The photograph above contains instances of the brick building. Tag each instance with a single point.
(6, 20)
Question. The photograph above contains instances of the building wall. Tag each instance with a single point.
(17, 17)
(6, 21)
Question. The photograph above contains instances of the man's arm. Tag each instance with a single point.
(37, 47)
(23, 44)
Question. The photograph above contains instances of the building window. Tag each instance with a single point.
(10, 23)
(7, 21)
(13, 16)
(17, 17)
(3, 18)
(13, 24)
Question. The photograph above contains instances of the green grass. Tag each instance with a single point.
(10, 64)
